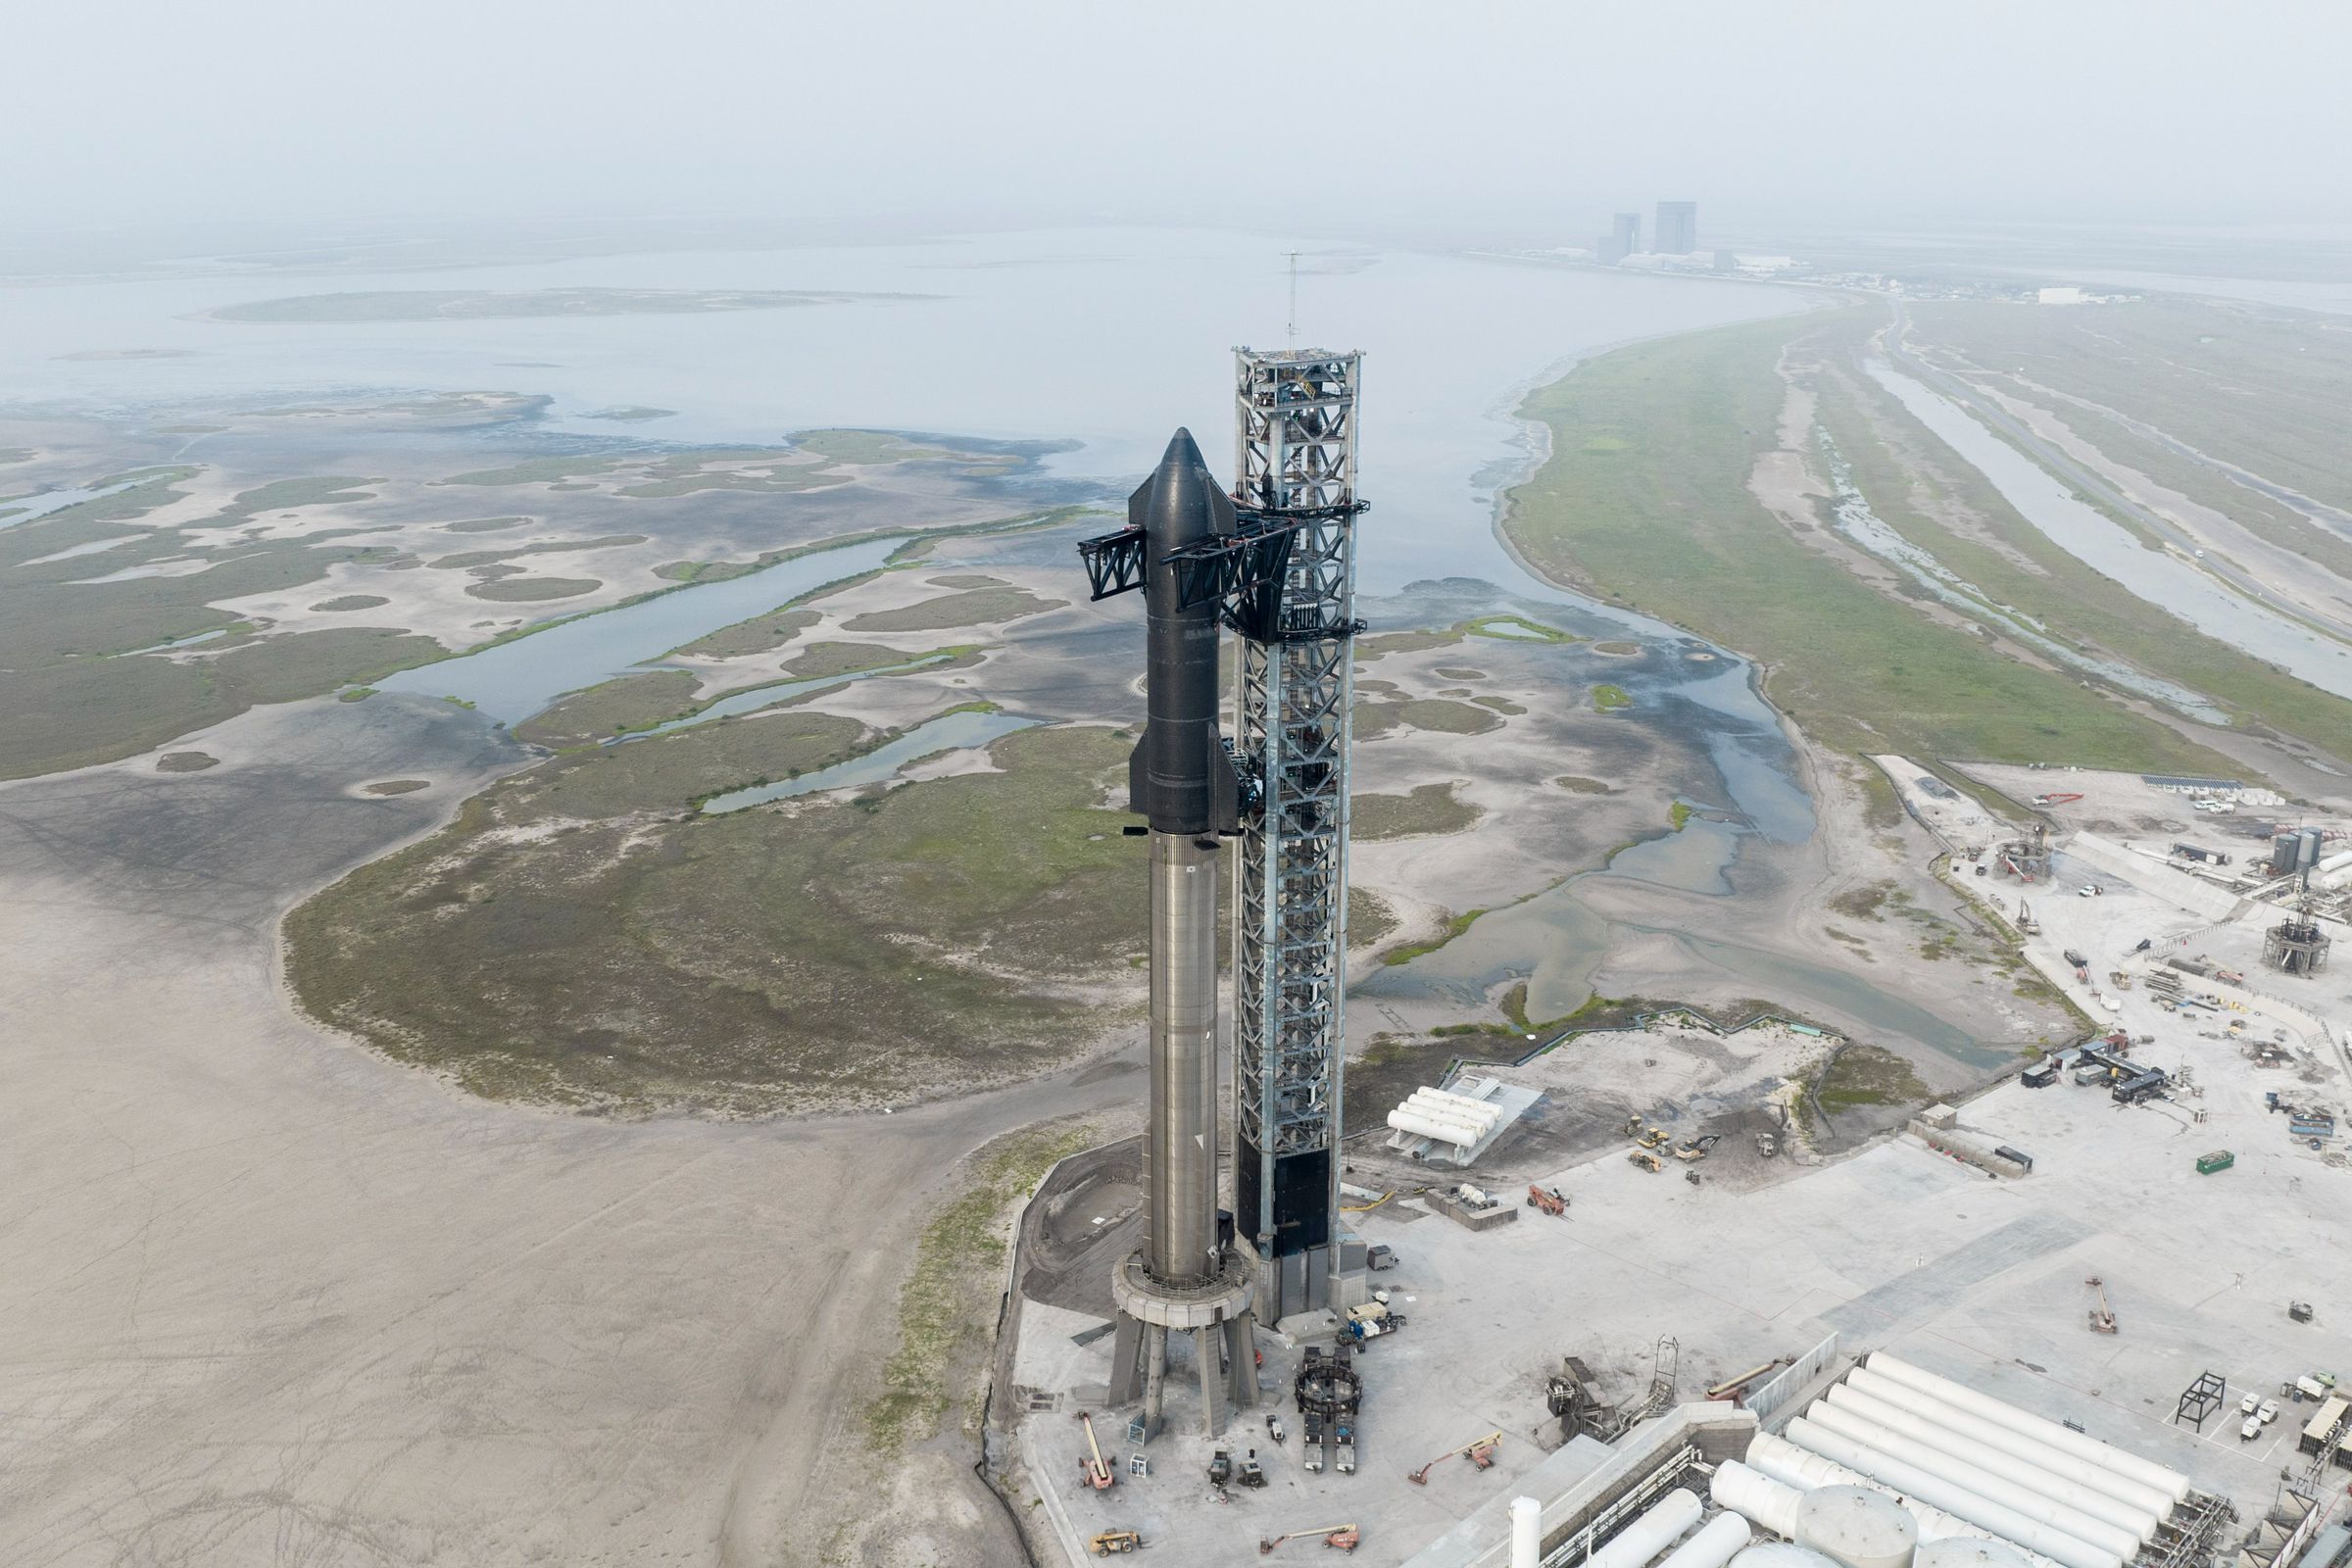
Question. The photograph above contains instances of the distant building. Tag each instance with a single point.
(2063, 296)
(1621, 241)
(1678, 228)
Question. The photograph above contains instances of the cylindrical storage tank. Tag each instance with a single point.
(2064, 1438)
(2053, 1502)
(1526, 1535)
(1857, 1526)
(2004, 1522)
(2004, 1440)
(1754, 1495)
(1652, 1533)
(1420, 1126)
(1780, 1554)
(1723, 1537)
(1780, 1460)
(1967, 1552)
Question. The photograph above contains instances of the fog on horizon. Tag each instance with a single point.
(1366, 115)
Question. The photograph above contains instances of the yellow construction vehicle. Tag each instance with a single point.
(1655, 1138)
(1110, 1540)
(1646, 1159)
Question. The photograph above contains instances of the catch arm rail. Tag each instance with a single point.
(1242, 573)
(1114, 561)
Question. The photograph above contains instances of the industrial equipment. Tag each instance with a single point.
(1274, 1428)
(2300, 1311)
(1697, 1148)
(1110, 1540)
(2219, 1159)
(1220, 1468)
(1655, 1138)
(1253, 1474)
(1480, 1452)
(1551, 1199)
(1647, 1160)
(1766, 1146)
(2102, 1317)
(1098, 1472)
(1344, 1537)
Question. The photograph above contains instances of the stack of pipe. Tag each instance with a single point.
(1448, 1118)
(2038, 1430)
(1792, 1467)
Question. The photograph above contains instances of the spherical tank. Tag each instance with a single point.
(1859, 1526)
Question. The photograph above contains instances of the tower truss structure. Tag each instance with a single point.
(1291, 595)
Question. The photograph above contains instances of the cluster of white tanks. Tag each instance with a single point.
(1898, 1468)
(1965, 1465)
(1448, 1118)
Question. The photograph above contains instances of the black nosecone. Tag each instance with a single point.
(1180, 778)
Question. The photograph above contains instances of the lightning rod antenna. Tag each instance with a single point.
(1291, 331)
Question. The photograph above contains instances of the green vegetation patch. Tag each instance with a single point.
(972, 606)
(1370, 919)
(1367, 649)
(614, 708)
(1500, 704)
(1611, 699)
(946, 1308)
(1447, 717)
(866, 448)
(1516, 629)
(532, 590)
(348, 602)
(1578, 784)
(495, 304)
(467, 558)
(623, 954)
(819, 660)
(1453, 927)
(287, 495)
(1429, 808)
(399, 786)
(1668, 522)
(484, 524)
(1679, 813)
(1459, 672)
(760, 634)
(185, 762)
(1862, 1074)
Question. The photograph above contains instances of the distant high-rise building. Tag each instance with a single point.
(1621, 241)
(1678, 228)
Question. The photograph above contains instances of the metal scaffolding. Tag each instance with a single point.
(1291, 595)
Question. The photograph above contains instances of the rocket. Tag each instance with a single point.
(1181, 780)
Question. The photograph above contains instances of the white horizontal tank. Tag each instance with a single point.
(1967, 1552)
(1718, 1542)
(1639, 1544)
(1857, 1526)
(1780, 1554)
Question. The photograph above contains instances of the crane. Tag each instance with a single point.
(2102, 1317)
(1098, 1471)
(1480, 1452)
(1344, 1537)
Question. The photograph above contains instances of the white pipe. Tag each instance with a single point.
(1965, 1552)
(2050, 1507)
(2015, 1445)
(1652, 1533)
(1444, 1132)
(2050, 1473)
(2006, 1523)
(2064, 1438)
(1527, 1533)
(1752, 1494)
(1784, 1461)
(1725, 1537)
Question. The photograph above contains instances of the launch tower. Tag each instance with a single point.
(1295, 479)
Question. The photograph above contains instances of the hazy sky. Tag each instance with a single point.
(1451, 110)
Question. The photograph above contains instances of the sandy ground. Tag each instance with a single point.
(270, 1300)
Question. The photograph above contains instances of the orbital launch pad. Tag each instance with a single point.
(1275, 563)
